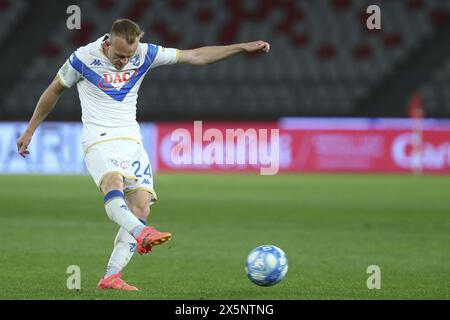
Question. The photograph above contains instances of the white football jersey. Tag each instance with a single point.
(108, 96)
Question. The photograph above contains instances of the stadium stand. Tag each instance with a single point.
(10, 13)
(323, 60)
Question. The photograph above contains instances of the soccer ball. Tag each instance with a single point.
(266, 265)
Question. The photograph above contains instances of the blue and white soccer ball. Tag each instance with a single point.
(266, 265)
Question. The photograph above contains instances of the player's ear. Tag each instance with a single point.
(105, 45)
(106, 41)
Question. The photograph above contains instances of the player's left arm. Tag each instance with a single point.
(207, 55)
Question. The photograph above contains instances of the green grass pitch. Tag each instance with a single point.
(332, 227)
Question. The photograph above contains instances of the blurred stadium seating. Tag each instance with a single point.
(10, 14)
(324, 61)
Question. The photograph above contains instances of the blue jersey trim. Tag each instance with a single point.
(152, 52)
(98, 81)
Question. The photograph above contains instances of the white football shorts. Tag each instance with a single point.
(126, 157)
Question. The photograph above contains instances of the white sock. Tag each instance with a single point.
(124, 247)
(117, 211)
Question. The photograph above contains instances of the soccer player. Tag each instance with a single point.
(108, 74)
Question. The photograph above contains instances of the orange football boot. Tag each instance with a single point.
(150, 237)
(113, 282)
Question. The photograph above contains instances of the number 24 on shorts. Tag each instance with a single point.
(137, 166)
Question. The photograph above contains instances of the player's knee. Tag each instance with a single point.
(139, 204)
(112, 182)
(141, 209)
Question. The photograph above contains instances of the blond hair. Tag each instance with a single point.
(127, 30)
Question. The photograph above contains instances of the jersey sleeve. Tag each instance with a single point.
(67, 75)
(162, 56)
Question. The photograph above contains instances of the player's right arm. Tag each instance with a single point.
(44, 106)
(67, 76)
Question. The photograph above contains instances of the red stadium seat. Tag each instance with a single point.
(293, 16)
(178, 5)
(299, 40)
(362, 52)
(393, 40)
(105, 4)
(232, 5)
(172, 40)
(4, 5)
(229, 32)
(326, 52)
(204, 15)
(160, 27)
(50, 51)
(260, 13)
(414, 4)
(439, 17)
(139, 8)
(82, 36)
(341, 5)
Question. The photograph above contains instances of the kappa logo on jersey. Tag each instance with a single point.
(96, 62)
(109, 79)
(132, 247)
